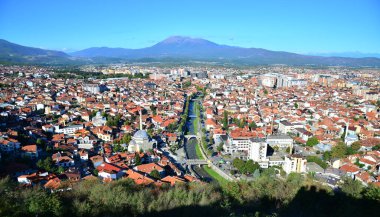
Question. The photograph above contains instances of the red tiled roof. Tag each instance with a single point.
(173, 180)
(29, 148)
(108, 168)
(148, 168)
(350, 168)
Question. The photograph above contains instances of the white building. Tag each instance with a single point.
(92, 88)
(236, 144)
(99, 120)
(70, 130)
(294, 163)
(141, 142)
(289, 81)
(257, 150)
(85, 142)
(269, 80)
(280, 141)
(109, 171)
(285, 127)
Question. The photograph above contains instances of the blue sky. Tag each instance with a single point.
(299, 26)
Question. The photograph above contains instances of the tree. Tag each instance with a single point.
(296, 105)
(46, 164)
(225, 120)
(40, 163)
(355, 146)
(172, 127)
(239, 122)
(372, 193)
(220, 147)
(137, 159)
(238, 163)
(48, 149)
(60, 170)
(150, 132)
(352, 188)
(40, 143)
(295, 178)
(126, 138)
(327, 155)
(312, 141)
(153, 109)
(265, 91)
(113, 121)
(117, 148)
(245, 167)
(127, 122)
(317, 160)
(40, 203)
(186, 84)
(252, 125)
(339, 151)
(251, 167)
(155, 174)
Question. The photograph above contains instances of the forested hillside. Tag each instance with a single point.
(266, 196)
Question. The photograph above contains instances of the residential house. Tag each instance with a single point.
(109, 171)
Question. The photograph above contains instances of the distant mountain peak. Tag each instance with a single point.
(185, 40)
(177, 38)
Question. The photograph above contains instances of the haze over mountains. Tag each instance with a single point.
(179, 49)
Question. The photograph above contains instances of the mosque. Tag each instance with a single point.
(141, 141)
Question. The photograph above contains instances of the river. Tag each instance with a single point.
(190, 144)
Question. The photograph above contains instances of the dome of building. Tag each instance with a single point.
(132, 142)
(141, 134)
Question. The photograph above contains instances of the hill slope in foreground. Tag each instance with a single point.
(266, 196)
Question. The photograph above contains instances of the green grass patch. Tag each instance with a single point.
(222, 181)
(198, 151)
(195, 125)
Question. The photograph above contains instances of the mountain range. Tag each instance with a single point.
(176, 48)
(14, 53)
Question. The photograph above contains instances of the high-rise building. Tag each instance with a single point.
(257, 149)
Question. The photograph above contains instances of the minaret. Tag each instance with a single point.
(271, 128)
(347, 124)
(140, 120)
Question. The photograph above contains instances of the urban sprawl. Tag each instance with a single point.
(168, 125)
